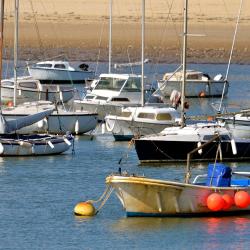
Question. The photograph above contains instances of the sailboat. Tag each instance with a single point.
(173, 143)
(14, 144)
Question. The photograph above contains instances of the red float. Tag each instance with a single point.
(215, 202)
(228, 201)
(241, 199)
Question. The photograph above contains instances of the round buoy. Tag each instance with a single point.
(215, 202)
(241, 199)
(84, 209)
(202, 94)
(228, 201)
(10, 104)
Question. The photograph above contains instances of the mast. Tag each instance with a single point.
(1, 45)
(15, 50)
(142, 52)
(184, 55)
(110, 34)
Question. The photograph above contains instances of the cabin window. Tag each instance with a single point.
(7, 83)
(222, 137)
(48, 65)
(194, 76)
(89, 97)
(133, 85)
(31, 85)
(60, 66)
(120, 99)
(101, 98)
(163, 116)
(147, 115)
(125, 114)
(110, 83)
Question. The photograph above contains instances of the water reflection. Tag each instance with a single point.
(145, 224)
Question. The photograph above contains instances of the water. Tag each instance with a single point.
(38, 195)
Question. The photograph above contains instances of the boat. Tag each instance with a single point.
(14, 144)
(60, 72)
(112, 92)
(198, 84)
(30, 89)
(60, 121)
(139, 121)
(173, 143)
(213, 193)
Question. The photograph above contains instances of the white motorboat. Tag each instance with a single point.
(198, 84)
(139, 121)
(60, 72)
(29, 89)
(58, 122)
(112, 92)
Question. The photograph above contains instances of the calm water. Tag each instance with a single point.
(38, 195)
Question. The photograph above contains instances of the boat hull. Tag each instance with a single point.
(196, 88)
(60, 76)
(124, 130)
(150, 197)
(157, 151)
(30, 145)
(24, 95)
(59, 123)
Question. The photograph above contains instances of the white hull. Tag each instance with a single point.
(25, 95)
(151, 197)
(60, 75)
(138, 121)
(195, 88)
(33, 145)
(57, 123)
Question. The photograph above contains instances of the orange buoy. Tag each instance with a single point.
(210, 118)
(10, 104)
(202, 94)
(215, 202)
(241, 199)
(228, 201)
(84, 209)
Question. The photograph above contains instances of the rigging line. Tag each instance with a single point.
(37, 29)
(169, 16)
(231, 54)
(99, 47)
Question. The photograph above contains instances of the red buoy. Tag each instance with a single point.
(241, 199)
(228, 201)
(215, 202)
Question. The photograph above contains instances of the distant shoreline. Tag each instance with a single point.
(58, 27)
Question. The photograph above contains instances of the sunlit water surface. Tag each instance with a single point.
(38, 194)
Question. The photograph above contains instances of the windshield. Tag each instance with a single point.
(110, 83)
(132, 84)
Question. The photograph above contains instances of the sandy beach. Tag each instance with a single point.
(79, 30)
